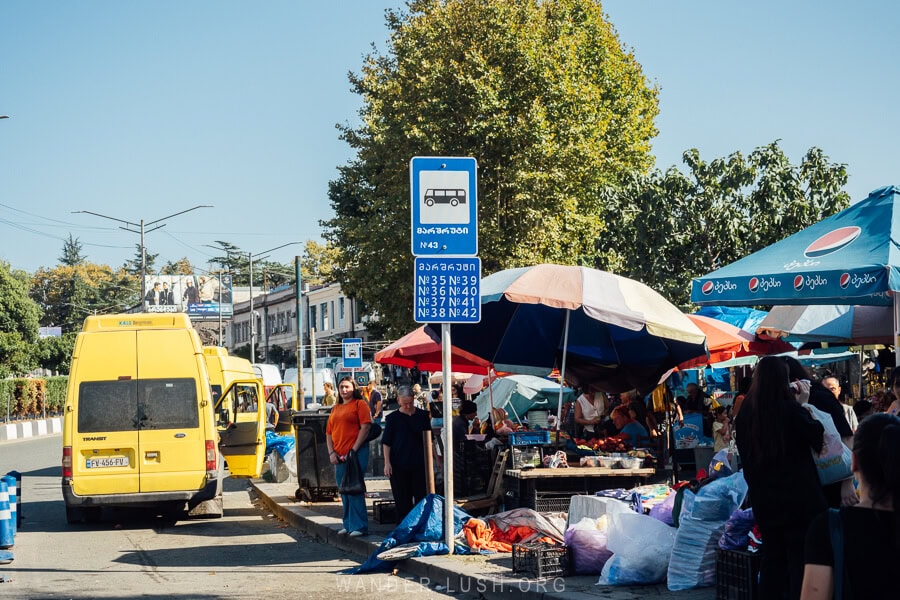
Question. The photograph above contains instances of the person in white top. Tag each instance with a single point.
(833, 384)
(590, 408)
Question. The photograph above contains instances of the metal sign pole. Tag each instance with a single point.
(448, 436)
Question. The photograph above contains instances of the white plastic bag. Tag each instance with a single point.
(833, 463)
(641, 546)
(290, 460)
(587, 541)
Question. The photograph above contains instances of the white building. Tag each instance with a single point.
(325, 310)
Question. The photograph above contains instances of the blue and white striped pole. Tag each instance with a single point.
(12, 493)
(18, 477)
(6, 530)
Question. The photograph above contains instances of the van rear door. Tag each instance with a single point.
(172, 445)
(105, 436)
(284, 397)
(241, 422)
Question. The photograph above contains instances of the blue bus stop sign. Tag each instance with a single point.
(352, 353)
(444, 206)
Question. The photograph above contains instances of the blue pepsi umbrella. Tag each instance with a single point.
(848, 258)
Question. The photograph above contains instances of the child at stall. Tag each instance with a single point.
(721, 429)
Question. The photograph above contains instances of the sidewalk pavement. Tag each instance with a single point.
(489, 575)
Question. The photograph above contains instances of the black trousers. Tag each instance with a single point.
(781, 571)
(408, 487)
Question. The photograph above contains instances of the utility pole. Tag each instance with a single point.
(142, 230)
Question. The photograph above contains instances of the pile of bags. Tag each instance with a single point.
(675, 543)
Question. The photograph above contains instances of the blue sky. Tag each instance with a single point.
(139, 110)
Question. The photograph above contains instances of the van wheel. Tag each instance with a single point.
(74, 516)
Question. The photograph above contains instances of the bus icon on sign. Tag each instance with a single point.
(453, 197)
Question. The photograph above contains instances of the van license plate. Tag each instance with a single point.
(107, 461)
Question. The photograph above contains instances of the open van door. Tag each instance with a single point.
(284, 397)
(241, 423)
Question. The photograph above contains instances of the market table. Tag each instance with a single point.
(549, 490)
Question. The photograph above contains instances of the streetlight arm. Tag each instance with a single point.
(180, 213)
(87, 212)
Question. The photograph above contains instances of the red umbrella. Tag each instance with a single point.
(417, 349)
(725, 341)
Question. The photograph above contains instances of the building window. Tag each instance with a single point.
(324, 309)
(341, 312)
(313, 316)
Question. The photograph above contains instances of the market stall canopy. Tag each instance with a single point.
(518, 394)
(726, 342)
(615, 333)
(743, 317)
(834, 324)
(417, 349)
(848, 258)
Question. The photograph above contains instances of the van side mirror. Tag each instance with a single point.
(223, 415)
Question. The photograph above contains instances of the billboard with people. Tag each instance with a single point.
(199, 296)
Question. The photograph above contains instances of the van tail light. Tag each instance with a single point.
(67, 461)
(211, 462)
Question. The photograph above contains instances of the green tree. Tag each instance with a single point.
(72, 252)
(543, 94)
(68, 294)
(179, 267)
(133, 266)
(19, 319)
(672, 226)
(55, 353)
(318, 263)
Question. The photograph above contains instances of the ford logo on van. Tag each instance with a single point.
(832, 241)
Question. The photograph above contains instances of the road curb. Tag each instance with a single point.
(23, 430)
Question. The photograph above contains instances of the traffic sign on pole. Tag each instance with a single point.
(444, 198)
(352, 353)
(447, 289)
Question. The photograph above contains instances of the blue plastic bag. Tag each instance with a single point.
(737, 530)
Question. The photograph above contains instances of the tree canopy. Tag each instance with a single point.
(543, 94)
(19, 317)
(668, 227)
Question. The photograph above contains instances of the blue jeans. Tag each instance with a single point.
(355, 516)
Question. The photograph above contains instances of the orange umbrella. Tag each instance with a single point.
(725, 341)
(417, 349)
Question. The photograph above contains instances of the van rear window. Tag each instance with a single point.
(169, 403)
(129, 405)
(107, 406)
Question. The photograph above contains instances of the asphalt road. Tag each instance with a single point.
(246, 554)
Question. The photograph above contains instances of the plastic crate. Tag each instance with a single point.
(384, 511)
(540, 561)
(529, 438)
(552, 503)
(737, 575)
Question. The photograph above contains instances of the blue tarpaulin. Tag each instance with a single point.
(423, 524)
(280, 443)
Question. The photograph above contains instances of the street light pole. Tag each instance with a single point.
(252, 315)
(142, 231)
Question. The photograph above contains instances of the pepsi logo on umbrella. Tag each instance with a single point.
(844, 280)
(831, 242)
(798, 282)
(707, 288)
(754, 284)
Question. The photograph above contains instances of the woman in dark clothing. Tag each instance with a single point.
(871, 528)
(404, 452)
(775, 438)
(840, 493)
